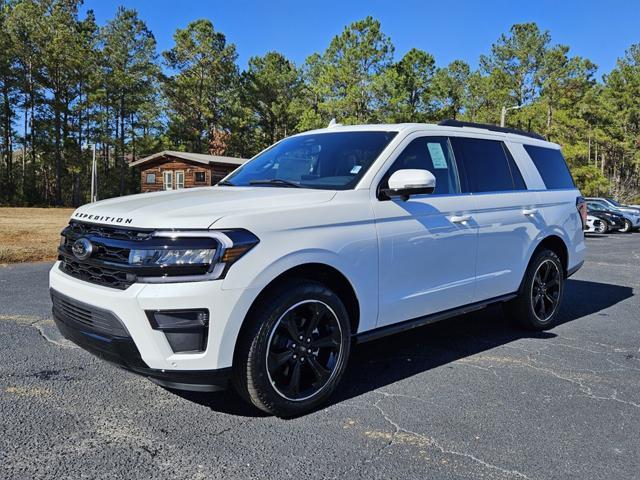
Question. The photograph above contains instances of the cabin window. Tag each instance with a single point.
(180, 179)
(151, 178)
(168, 180)
(201, 177)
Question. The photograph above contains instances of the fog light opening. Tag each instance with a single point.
(185, 330)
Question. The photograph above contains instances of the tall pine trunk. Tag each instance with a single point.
(58, 152)
(122, 159)
(8, 147)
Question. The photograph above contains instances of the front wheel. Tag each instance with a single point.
(601, 227)
(627, 226)
(538, 302)
(295, 349)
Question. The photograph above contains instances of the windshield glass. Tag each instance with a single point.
(614, 202)
(599, 206)
(335, 161)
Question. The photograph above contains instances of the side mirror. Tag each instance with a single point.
(405, 183)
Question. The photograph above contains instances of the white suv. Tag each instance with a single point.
(327, 238)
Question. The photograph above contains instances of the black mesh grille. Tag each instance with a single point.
(78, 229)
(108, 264)
(103, 269)
(73, 312)
(99, 274)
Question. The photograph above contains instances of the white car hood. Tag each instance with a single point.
(194, 207)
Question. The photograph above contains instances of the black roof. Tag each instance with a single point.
(494, 128)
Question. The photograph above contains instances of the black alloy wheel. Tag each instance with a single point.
(540, 295)
(294, 348)
(304, 349)
(545, 290)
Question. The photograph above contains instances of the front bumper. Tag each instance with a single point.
(109, 340)
(227, 308)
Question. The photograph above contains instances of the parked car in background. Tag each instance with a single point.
(631, 217)
(612, 221)
(617, 205)
(595, 225)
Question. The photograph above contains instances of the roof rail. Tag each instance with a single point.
(494, 128)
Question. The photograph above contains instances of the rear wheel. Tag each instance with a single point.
(537, 305)
(628, 226)
(295, 349)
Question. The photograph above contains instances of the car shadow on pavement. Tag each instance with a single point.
(375, 364)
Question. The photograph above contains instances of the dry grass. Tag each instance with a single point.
(31, 234)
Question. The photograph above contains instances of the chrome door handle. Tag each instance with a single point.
(529, 211)
(460, 218)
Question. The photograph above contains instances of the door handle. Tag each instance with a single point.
(460, 218)
(529, 211)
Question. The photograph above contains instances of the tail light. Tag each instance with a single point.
(581, 205)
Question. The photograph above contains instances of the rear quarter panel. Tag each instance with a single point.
(559, 214)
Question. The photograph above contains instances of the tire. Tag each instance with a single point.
(602, 227)
(268, 358)
(527, 308)
(628, 226)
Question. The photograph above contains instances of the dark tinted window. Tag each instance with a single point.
(552, 167)
(485, 163)
(335, 161)
(518, 181)
(433, 154)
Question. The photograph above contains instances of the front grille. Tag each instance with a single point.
(80, 315)
(99, 274)
(79, 229)
(109, 263)
(105, 250)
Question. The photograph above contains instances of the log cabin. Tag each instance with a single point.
(171, 170)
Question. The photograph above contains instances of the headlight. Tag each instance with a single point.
(201, 256)
(189, 255)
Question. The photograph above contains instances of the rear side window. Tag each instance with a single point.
(433, 154)
(551, 166)
(488, 165)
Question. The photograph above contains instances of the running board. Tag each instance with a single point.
(380, 332)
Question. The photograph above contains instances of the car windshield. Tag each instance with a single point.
(599, 206)
(335, 161)
(611, 200)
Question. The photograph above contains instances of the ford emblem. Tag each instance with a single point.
(82, 249)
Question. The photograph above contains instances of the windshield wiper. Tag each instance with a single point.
(226, 183)
(275, 181)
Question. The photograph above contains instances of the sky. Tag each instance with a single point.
(449, 30)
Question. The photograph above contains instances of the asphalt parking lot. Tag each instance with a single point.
(468, 398)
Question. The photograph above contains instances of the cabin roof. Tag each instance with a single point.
(192, 157)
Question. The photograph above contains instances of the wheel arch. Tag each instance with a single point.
(556, 244)
(316, 271)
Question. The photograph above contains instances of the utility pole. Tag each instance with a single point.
(503, 113)
(94, 174)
